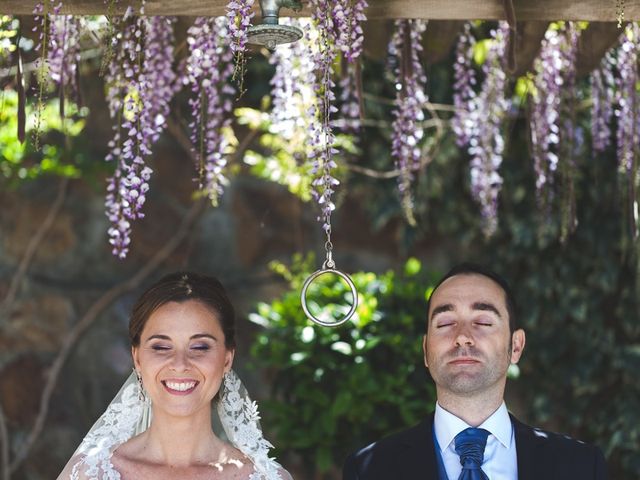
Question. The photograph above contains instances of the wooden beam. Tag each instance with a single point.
(528, 39)
(594, 42)
(437, 42)
(439, 39)
(526, 10)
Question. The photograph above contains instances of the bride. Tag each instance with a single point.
(159, 425)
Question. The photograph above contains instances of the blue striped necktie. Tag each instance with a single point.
(469, 444)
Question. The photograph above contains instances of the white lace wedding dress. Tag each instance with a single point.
(130, 414)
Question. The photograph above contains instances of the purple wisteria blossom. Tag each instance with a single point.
(628, 132)
(555, 140)
(239, 15)
(209, 71)
(324, 53)
(602, 94)
(348, 17)
(64, 55)
(408, 113)
(140, 84)
(349, 98)
(627, 99)
(290, 92)
(42, 18)
(487, 113)
(570, 136)
(463, 87)
(551, 68)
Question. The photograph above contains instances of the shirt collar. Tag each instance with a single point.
(447, 426)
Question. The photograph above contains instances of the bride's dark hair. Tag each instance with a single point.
(180, 287)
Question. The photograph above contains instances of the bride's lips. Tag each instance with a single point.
(180, 387)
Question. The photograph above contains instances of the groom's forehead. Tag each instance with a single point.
(469, 287)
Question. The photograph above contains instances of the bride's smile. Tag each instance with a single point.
(177, 387)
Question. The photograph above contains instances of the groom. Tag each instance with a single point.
(470, 342)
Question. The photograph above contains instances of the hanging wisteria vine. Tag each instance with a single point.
(603, 95)
(64, 56)
(463, 87)
(291, 95)
(408, 112)
(141, 81)
(486, 144)
(209, 71)
(140, 86)
(42, 19)
(239, 15)
(349, 16)
(628, 115)
(554, 70)
(479, 117)
(109, 35)
(321, 138)
(570, 134)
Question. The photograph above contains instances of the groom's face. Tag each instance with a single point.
(468, 346)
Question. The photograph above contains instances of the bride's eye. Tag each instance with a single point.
(201, 347)
(160, 348)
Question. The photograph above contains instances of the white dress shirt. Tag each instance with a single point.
(500, 460)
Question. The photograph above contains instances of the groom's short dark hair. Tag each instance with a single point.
(468, 268)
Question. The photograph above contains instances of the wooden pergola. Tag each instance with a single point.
(539, 10)
(446, 18)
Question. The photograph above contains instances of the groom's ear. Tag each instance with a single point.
(424, 349)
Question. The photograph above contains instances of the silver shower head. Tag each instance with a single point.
(270, 33)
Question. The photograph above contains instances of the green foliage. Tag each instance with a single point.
(8, 32)
(283, 151)
(20, 162)
(337, 389)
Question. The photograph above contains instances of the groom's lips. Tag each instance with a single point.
(464, 361)
(183, 388)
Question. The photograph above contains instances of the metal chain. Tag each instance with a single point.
(328, 246)
(620, 6)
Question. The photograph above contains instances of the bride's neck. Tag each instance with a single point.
(182, 441)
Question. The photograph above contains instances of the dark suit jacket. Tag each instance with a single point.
(410, 455)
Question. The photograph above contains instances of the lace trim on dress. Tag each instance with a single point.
(130, 414)
(241, 422)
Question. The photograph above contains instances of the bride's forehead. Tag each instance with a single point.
(183, 316)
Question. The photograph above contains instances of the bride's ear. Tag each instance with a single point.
(134, 355)
(228, 360)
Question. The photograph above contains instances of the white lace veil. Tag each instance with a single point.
(130, 414)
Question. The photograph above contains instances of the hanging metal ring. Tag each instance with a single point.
(311, 278)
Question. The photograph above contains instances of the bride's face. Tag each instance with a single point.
(182, 357)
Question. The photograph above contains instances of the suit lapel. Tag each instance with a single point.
(530, 452)
(418, 457)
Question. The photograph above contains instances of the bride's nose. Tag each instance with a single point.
(180, 361)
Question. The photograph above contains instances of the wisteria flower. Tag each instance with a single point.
(140, 85)
(209, 70)
(486, 143)
(408, 112)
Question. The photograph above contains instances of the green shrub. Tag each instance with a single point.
(337, 389)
